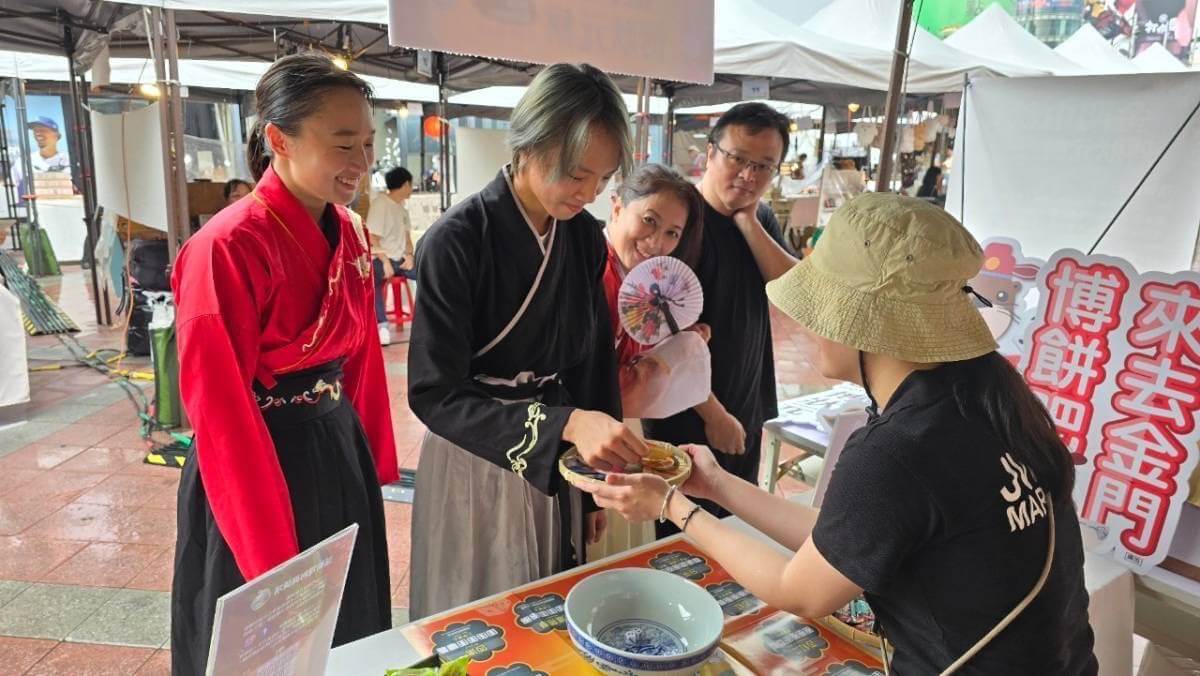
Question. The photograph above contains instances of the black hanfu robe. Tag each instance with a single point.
(510, 335)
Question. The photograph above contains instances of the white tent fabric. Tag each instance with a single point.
(789, 108)
(210, 74)
(29, 66)
(752, 40)
(366, 11)
(1090, 50)
(1156, 59)
(749, 40)
(994, 34)
(507, 97)
(1034, 172)
(873, 23)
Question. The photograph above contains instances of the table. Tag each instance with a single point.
(521, 624)
(1110, 588)
(810, 440)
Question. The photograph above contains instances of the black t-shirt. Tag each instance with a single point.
(736, 307)
(942, 528)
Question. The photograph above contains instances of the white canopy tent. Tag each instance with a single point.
(994, 34)
(364, 11)
(507, 97)
(206, 73)
(1156, 59)
(1091, 51)
(789, 108)
(753, 40)
(749, 40)
(872, 23)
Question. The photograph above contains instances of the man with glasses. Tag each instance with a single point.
(743, 249)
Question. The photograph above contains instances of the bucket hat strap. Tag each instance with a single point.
(873, 409)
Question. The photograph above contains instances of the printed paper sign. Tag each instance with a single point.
(1115, 357)
(282, 622)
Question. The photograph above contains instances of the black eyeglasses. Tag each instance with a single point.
(742, 164)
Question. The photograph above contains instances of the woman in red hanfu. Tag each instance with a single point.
(280, 371)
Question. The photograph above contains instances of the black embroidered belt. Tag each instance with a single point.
(302, 395)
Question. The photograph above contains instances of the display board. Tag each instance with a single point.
(666, 39)
(1114, 354)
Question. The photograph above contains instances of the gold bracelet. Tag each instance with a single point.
(683, 526)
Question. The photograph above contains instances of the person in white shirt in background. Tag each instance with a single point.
(391, 240)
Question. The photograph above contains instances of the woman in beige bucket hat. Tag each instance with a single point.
(951, 509)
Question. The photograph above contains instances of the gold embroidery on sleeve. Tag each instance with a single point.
(516, 454)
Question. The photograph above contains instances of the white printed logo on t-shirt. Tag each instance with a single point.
(1026, 503)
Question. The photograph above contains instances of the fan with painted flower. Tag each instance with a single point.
(658, 298)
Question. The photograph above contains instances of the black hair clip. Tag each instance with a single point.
(984, 301)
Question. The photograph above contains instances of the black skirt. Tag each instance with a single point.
(331, 479)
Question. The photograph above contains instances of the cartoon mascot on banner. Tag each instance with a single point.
(1009, 281)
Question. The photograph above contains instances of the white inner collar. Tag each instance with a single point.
(543, 241)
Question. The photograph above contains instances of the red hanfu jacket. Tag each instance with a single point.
(259, 293)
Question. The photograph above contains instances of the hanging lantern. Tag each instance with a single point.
(433, 126)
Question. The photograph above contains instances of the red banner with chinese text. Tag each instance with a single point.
(1115, 357)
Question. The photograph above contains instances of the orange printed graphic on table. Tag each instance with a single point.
(524, 633)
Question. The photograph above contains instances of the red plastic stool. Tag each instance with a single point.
(401, 290)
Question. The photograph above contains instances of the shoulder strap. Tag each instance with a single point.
(1012, 615)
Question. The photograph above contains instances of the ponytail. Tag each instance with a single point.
(256, 152)
(290, 91)
(989, 387)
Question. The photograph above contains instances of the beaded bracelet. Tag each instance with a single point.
(688, 518)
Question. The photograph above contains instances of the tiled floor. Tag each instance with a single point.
(87, 530)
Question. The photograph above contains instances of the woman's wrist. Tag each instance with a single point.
(721, 486)
(678, 507)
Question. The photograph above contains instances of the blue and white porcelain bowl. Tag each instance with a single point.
(632, 621)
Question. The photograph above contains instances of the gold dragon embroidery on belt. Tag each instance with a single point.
(516, 454)
(308, 397)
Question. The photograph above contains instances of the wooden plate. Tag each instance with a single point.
(577, 472)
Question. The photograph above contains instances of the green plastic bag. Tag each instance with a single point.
(40, 258)
(167, 407)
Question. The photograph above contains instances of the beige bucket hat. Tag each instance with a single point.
(889, 276)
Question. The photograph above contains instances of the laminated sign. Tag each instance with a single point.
(1115, 357)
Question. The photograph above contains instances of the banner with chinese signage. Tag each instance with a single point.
(1134, 25)
(1115, 356)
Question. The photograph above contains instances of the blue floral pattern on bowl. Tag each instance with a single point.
(610, 662)
(642, 637)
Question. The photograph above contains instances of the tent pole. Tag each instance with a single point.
(883, 182)
(182, 224)
(443, 132)
(1196, 251)
(34, 245)
(82, 170)
(91, 163)
(669, 128)
(821, 136)
(155, 34)
(421, 136)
